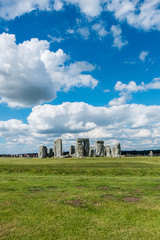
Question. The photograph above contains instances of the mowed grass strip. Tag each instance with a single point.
(51, 204)
(90, 166)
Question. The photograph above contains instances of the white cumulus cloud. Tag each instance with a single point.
(117, 34)
(143, 55)
(84, 32)
(87, 7)
(12, 8)
(31, 74)
(139, 14)
(100, 29)
(135, 126)
(126, 90)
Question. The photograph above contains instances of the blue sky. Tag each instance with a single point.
(75, 68)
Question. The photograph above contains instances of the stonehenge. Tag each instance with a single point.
(72, 150)
(50, 154)
(82, 147)
(108, 151)
(58, 148)
(42, 152)
(117, 150)
(151, 154)
(99, 146)
(81, 150)
(113, 151)
(92, 152)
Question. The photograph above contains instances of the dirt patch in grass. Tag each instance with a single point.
(158, 187)
(6, 229)
(104, 188)
(109, 197)
(137, 191)
(76, 203)
(132, 199)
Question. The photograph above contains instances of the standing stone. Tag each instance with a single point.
(72, 150)
(58, 148)
(82, 147)
(42, 152)
(51, 152)
(118, 150)
(151, 154)
(113, 151)
(108, 151)
(99, 145)
(92, 152)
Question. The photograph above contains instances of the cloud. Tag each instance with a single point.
(56, 39)
(106, 90)
(139, 14)
(58, 5)
(118, 42)
(11, 9)
(84, 29)
(84, 32)
(143, 55)
(15, 126)
(31, 74)
(100, 29)
(126, 90)
(135, 126)
(70, 31)
(89, 9)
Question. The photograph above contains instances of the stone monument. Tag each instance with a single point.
(50, 154)
(99, 145)
(72, 150)
(58, 148)
(92, 152)
(107, 151)
(151, 154)
(42, 152)
(82, 147)
(112, 151)
(118, 150)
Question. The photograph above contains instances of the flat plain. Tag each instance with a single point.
(83, 199)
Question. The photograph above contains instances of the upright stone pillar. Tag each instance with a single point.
(108, 151)
(42, 152)
(72, 150)
(79, 149)
(82, 147)
(58, 148)
(99, 145)
(86, 147)
(118, 150)
(151, 154)
(50, 152)
(91, 152)
(113, 151)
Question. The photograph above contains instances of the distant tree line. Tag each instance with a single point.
(140, 153)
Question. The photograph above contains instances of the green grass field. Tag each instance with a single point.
(91, 198)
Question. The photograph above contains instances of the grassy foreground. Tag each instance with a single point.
(68, 199)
